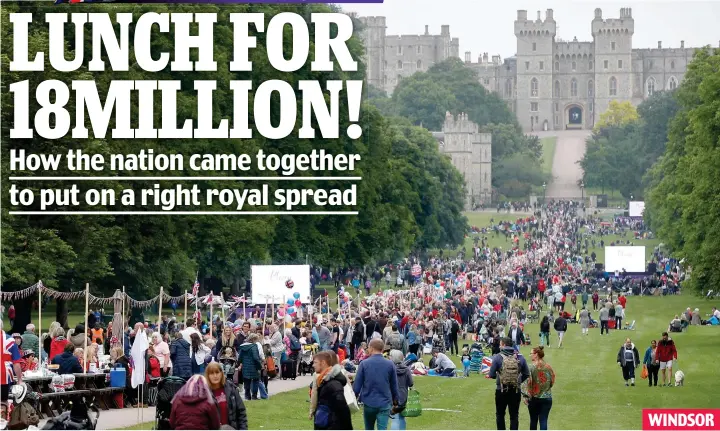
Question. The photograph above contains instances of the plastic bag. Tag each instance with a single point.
(413, 408)
(644, 372)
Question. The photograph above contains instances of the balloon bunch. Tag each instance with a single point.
(290, 307)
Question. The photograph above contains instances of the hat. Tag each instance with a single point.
(18, 392)
(16, 335)
(28, 352)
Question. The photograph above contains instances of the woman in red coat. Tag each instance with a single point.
(58, 343)
(194, 406)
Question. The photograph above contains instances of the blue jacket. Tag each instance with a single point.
(68, 363)
(376, 383)
(180, 357)
(497, 361)
(647, 360)
(411, 337)
(249, 357)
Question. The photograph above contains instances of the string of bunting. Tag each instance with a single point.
(95, 300)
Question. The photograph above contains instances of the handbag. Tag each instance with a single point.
(322, 417)
(413, 408)
(351, 399)
(644, 372)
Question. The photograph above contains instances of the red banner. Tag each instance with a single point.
(680, 419)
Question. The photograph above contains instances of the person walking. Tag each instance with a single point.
(251, 363)
(595, 300)
(666, 353)
(604, 317)
(509, 371)
(584, 298)
(651, 362)
(560, 327)
(405, 382)
(538, 393)
(545, 331)
(227, 396)
(329, 410)
(584, 320)
(628, 359)
(376, 386)
(619, 314)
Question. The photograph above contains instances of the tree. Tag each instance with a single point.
(682, 197)
(618, 114)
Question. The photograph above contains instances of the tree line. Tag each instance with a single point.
(667, 153)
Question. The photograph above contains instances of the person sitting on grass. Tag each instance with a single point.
(443, 365)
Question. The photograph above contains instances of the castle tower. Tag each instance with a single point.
(471, 153)
(613, 55)
(535, 43)
(373, 36)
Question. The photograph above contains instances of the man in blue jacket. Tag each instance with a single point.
(509, 369)
(376, 386)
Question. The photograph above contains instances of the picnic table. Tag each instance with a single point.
(89, 389)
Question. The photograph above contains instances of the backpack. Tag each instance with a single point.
(510, 372)
(295, 344)
(23, 416)
(455, 326)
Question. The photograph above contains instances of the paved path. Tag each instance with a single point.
(570, 148)
(129, 417)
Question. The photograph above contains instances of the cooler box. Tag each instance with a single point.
(118, 377)
(611, 324)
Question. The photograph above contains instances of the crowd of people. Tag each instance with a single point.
(366, 342)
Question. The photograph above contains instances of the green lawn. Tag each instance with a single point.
(548, 153)
(589, 392)
(481, 220)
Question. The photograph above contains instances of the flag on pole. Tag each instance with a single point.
(240, 299)
(196, 288)
(209, 299)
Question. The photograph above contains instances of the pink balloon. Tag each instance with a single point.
(298, 303)
(281, 313)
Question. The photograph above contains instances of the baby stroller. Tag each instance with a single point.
(306, 359)
(228, 362)
(167, 388)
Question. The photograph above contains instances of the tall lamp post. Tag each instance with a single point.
(582, 190)
(544, 186)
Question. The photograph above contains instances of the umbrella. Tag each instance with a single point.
(117, 322)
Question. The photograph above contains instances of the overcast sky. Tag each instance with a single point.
(487, 25)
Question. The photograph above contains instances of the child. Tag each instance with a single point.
(465, 360)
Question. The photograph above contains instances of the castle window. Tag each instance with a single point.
(384, 64)
(534, 46)
(619, 64)
(613, 86)
(606, 64)
(672, 83)
(590, 65)
(592, 105)
(508, 88)
(650, 87)
(557, 107)
(557, 66)
(574, 66)
(573, 87)
(384, 79)
(486, 81)
(591, 88)
(419, 49)
(556, 89)
(534, 88)
(399, 50)
(533, 107)
(399, 64)
(419, 65)
(542, 65)
(672, 65)
(557, 119)
(527, 65)
(651, 64)
(612, 46)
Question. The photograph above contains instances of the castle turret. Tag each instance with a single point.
(373, 36)
(613, 58)
(535, 48)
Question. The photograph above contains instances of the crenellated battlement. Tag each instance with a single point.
(625, 25)
(459, 124)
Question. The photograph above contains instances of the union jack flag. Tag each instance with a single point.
(209, 299)
(240, 299)
(485, 366)
(196, 288)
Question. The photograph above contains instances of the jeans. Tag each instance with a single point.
(398, 422)
(618, 322)
(510, 400)
(544, 339)
(628, 371)
(653, 374)
(381, 415)
(604, 327)
(251, 385)
(454, 345)
(539, 409)
(448, 372)
(263, 390)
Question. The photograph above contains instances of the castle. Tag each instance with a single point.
(550, 84)
(471, 153)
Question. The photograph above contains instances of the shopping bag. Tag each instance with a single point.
(644, 372)
(412, 407)
(351, 399)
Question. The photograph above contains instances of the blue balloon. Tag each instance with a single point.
(291, 310)
(290, 302)
(296, 295)
(466, 362)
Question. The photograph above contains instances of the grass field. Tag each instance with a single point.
(548, 153)
(589, 392)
